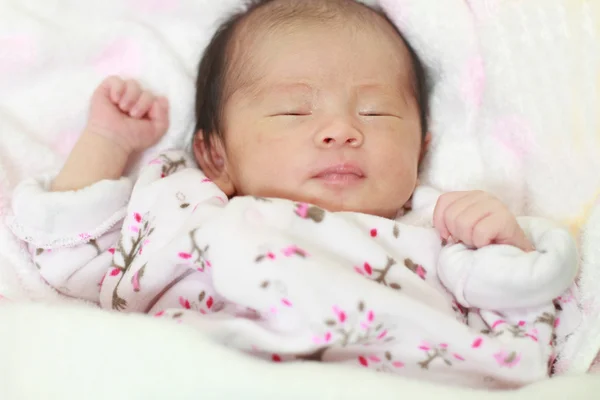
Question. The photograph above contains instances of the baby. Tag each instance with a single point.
(311, 123)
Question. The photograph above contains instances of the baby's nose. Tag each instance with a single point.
(338, 135)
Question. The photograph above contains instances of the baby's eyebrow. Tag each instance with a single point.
(261, 91)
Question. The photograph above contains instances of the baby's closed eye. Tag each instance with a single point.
(292, 113)
(379, 113)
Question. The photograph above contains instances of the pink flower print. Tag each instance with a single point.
(115, 271)
(185, 256)
(443, 346)
(209, 302)
(134, 228)
(111, 250)
(135, 281)
(286, 302)
(155, 161)
(556, 322)
(567, 297)
(276, 358)
(145, 243)
(425, 346)
(533, 335)
(302, 210)
(137, 217)
(398, 364)
(368, 269)
(271, 256)
(363, 361)
(341, 315)
(85, 236)
(382, 335)
(294, 250)
(458, 357)
(498, 323)
(208, 264)
(521, 323)
(206, 180)
(370, 316)
(374, 359)
(184, 303)
(421, 272)
(506, 359)
(159, 314)
(373, 233)
(477, 343)
(325, 339)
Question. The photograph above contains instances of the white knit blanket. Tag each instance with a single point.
(515, 110)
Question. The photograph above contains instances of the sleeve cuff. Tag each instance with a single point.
(64, 219)
(500, 277)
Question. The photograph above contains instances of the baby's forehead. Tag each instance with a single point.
(247, 67)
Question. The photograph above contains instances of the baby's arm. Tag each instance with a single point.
(123, 119)
(72, 221)
(514, 290)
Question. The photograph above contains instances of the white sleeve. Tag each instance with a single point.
(501, 277)
(70, 234)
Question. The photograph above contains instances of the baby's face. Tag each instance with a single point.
(325, 116)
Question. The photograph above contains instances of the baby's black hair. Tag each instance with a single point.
(213, 69)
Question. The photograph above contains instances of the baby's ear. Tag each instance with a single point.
(211, 160)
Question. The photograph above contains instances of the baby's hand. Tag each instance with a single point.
(125, 114)
(478, 219)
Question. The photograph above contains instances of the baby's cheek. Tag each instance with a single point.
(262, 172)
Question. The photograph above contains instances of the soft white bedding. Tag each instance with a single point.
(76, 353)
(515, 111)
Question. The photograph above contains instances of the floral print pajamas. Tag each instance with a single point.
(288, 281)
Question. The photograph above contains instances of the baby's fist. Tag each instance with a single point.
(478, 219)
(132, 118)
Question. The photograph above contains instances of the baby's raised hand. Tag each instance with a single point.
(478, 219)
(125, 114)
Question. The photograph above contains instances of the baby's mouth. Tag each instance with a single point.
(341, 174)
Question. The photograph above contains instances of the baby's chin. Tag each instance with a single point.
(357, 208)
(345, 204)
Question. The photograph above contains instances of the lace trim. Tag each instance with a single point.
(47, 240)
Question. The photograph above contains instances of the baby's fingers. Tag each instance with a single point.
(131, 96)
(143, 105)
(469, 212)
(112, 88)
(439, 214)
(486, 231)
